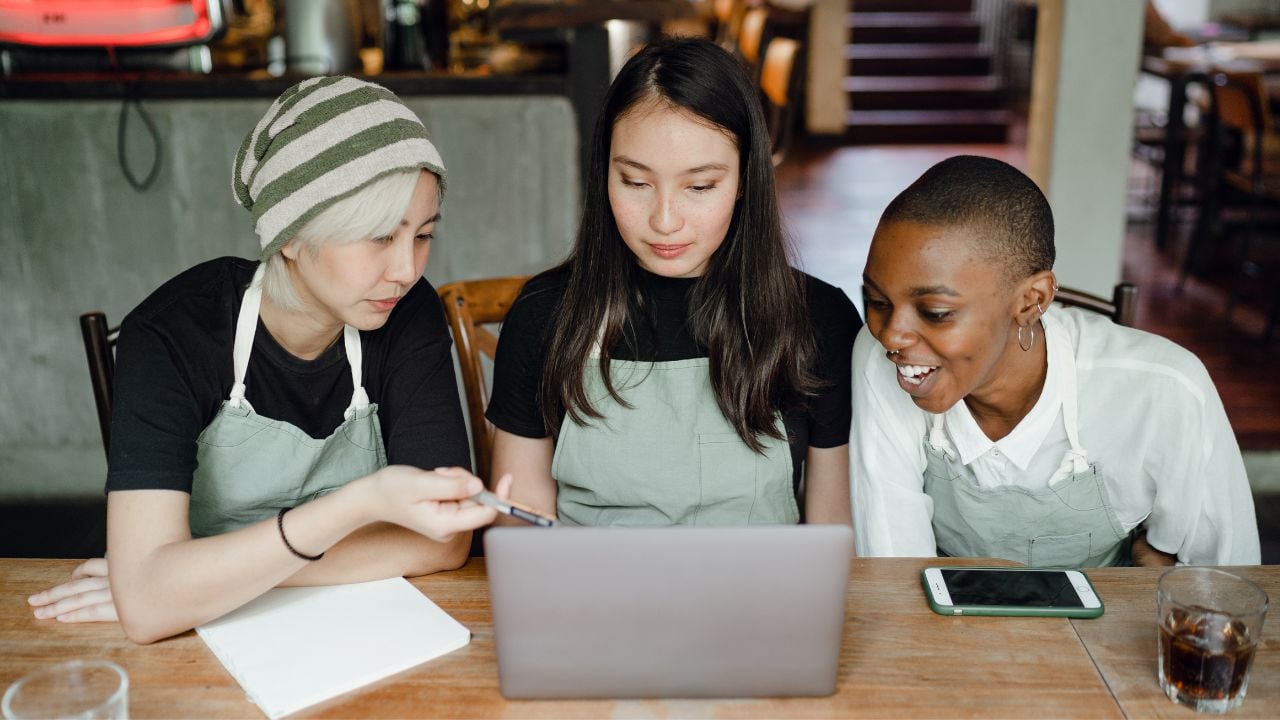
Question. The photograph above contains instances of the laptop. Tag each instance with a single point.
(668, 612)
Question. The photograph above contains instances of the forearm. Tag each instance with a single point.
(528, 462)
(382, 550)
(172, 587)
(1144, 555)
(826, 476)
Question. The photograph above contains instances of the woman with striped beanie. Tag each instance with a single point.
(258, 403)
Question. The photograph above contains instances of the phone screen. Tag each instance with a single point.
(1039, 588)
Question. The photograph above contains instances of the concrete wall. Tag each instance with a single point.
(74, 236)
(1086, 63)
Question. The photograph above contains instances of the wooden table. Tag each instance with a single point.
(898, 659)
(1122, 644)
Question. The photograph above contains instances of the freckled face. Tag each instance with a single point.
(673, 183)
(359, 283)
(947, 312)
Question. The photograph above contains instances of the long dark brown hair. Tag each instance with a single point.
(748, 308)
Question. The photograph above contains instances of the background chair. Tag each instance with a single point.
(1121, 308)
(728, 15)
(1245, 165)
(99, 349)
(751, 38)
(779, 87)
(470, 304)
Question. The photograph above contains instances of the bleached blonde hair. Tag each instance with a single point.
(372, 211)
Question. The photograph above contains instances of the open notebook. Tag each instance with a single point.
(295, 647)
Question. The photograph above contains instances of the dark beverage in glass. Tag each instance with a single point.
(1205, 655)
(1209, 624)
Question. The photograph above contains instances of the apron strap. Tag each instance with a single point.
(355, 358)
(937, 437)
(247, 328)
(1056, 341)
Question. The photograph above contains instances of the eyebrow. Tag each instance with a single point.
(428, 221)
(624, 160)
(915, 292)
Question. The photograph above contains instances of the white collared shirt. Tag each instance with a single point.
(1150, 419)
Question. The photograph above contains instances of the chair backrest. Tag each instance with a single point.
(1237, 97)
(778, 86)
(1239, 108)
(728, 14)
(469, 305)
(1121, 308)
(99, 349)
(751, 36)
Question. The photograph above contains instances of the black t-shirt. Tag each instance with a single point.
(522, 344)
(173, 372)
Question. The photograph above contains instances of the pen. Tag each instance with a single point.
(520, 512)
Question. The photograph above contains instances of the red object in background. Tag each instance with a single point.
(110, 23)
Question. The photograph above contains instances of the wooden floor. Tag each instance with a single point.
(833, 196)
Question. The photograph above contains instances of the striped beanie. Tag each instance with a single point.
(322, 140)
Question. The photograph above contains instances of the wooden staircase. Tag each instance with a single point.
(918, 74)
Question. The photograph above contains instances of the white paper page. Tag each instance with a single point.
(295, 647)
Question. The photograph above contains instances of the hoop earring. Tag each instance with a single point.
(1029, 344)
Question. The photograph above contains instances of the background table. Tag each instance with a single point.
(1183, 67)
(898, 659)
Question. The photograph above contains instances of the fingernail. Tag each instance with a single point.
(33, 600)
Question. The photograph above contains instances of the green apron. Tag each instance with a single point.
(667, 456)
(249, 466)
(1068, 524)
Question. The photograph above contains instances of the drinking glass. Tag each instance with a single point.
(1210, 624)
(82, 689)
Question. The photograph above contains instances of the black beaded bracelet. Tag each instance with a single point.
(292, 549)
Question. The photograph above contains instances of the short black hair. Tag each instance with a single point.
(1011, 217)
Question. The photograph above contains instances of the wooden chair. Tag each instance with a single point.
(1121, 308)
(99, 349)
(751, 37)
(470, 304)
(728, 15)
(1246, 163)
(778, 86)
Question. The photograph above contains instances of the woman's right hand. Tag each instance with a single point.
(433, 503)
(86, 597)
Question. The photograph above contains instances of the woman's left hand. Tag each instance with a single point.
(84, 598)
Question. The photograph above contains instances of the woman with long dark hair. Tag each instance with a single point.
(676, 369)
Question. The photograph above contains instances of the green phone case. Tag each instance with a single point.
(1009, 610)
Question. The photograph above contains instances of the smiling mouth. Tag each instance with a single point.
(915, 374)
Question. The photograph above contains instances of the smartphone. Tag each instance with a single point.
(515, 510)
(1010, 591)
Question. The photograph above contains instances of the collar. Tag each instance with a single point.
(1024, 441)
